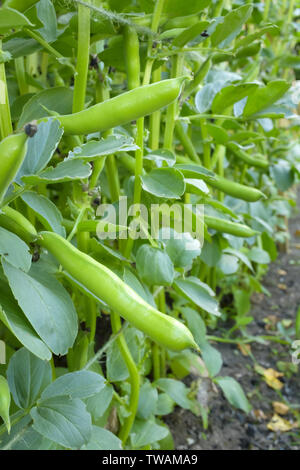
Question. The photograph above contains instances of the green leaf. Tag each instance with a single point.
(165, 404)
(99, 403)
(46, 211)
(212, 358)
(174, 8)
(182, 248)
(228, 264)
(265, 96)
(205, 97)
(154, 266)
(27, 376)
(242, 301)
(195, 324)
(94, 149)
(102, 439)
(68, 170)
(176, 390)
(47, 15)
(40, 148)
(161, 156)
(240, 255)
(198, 293)
(46, 304)
(79, 384)
(282, 174)
(232, 94)
(164, 182)
(234, 393)
(13, 317)
(212, 253)
(116, 368)
(58, 99)
(196, 186)
(144, 433)
(30, 440)
(230, 27)
(259, 256)
(142, 290)
(219, 135)
(14, 250)
(63, 420)
(12, 19)
(269, 245)
(147, 400)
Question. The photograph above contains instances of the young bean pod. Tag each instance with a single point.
(4, 402)
(12, 153)
(108, 287)
(226, 226)
(240, 191)
(123, 108)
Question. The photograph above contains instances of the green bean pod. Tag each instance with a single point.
(108, 287)
(226, 226)
(240, 191)
(242, 155)
(15, 222)
(123, 108)
(4, 402)
(12, 153)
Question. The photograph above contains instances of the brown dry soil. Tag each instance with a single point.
(232, 429)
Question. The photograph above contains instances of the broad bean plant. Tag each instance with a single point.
(148, 159)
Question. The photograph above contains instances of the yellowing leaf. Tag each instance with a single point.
(260, 415)
(271, 378)
(244, 348)
(280, 408)
(282, 286)
(280, 424)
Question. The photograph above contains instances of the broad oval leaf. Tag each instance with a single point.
(14, 250)
(199, 293)
(63, 420)
(154, 266)
(58, 99)
(68, 170)
(102, 439)
(94, 149)
(12, 19)
(27, 376)
(46, 211)
(15, 320)
(234, 393)
(164, 182)
(265, 96)
(40, 148)
(46, 304)
(79, 384)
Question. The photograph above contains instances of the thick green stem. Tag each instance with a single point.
(186, 142)
(173, 107)
(113, 178)
(134, 378)
(83, 49)
(20, 73)
(154, 122)
(206, 145)
(266, 9)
